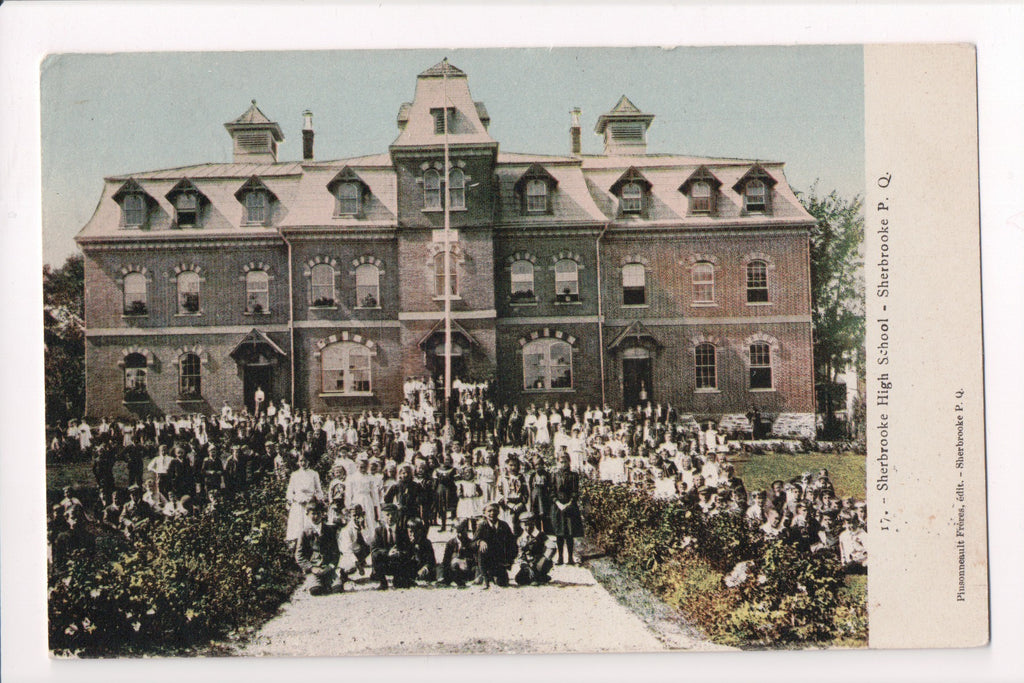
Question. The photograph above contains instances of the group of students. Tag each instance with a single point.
(483, 472)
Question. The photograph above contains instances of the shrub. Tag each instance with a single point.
(790, 597)
(181, 582)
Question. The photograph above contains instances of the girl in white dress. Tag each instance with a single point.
(543, 434)
(303, 488)
(471, 496)
(361, 489)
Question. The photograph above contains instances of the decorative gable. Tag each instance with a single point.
(534, 189)
(136, 204)
(702, 188)
(188, 203)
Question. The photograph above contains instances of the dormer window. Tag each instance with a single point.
(348, 199)
(256, 207)
(702, 189)
(349, 192)
(186, 210)
(534, 189)
(755, 197)
(632, 189)
(135, 204)
(536, 196)
(134, 210)
(256, 199)
(755, 187)
(632, 199)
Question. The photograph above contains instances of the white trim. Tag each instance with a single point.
(456, 315)
(735, 320)
(169, 331)
(349, 324)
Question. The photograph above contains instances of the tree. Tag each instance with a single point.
(64, 340)
(837, 283)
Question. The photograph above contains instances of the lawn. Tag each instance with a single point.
(847, 471)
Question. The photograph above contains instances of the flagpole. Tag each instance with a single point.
(447, 258)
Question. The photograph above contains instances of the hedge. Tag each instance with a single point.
(179, 583)
(791, 599)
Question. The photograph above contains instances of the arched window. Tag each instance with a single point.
(135, 377)
(634, 285)
(322, 284)
(257, 292)
(345, 369)
(367, 286)
(134, 209)
(757, 282)
(567, 283)
(536, 196)
(705, 369)
(189, 376)
(439, 275)
(256, 207)
(632, 198)
(547, 364)
(703, 275)
(755, 196)
(760, 366)
(348, 199)
(188, 293)
(135, 301)
(457, 189)
(431, 189)
(522, 281)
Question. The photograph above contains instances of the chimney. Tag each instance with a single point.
(575, 132)
(307, 135)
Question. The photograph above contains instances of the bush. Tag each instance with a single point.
(791, 598)
(180, 583)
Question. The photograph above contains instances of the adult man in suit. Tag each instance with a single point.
(392, 551)
(317, 552)
(496, 548)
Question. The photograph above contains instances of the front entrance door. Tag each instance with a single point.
(458, 363)
(636, 377)
(257, 377)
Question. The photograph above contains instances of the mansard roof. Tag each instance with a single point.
(432, 93)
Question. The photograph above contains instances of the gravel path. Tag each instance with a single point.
(573, 613)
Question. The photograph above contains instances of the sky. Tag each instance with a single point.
(113, 114)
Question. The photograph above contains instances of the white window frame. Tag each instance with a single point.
(439, 275)
(189, 283)
(632, 199)
(567, 277)
(190, 384)
(703, 278)
(522, 283)
(135, 376)
(256, 204)
(431, 190)
(367, 284)
(543, 350)
(318, 290)
(349, 199)
(761, 360)
(128, 301)
(629, 282)
(536, 196)
(181, 207)
(348, 364)
(755, 196)
(457, 189)
(257, 292)
(700, 196)
(757, 284)
(708, 379)
(133, 209)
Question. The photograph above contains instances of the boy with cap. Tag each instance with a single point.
(317, 552)
(536, 552)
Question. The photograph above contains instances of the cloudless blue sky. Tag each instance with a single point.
(106, 115)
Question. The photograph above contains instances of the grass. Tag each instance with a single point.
(79, 475)
(847, 471)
